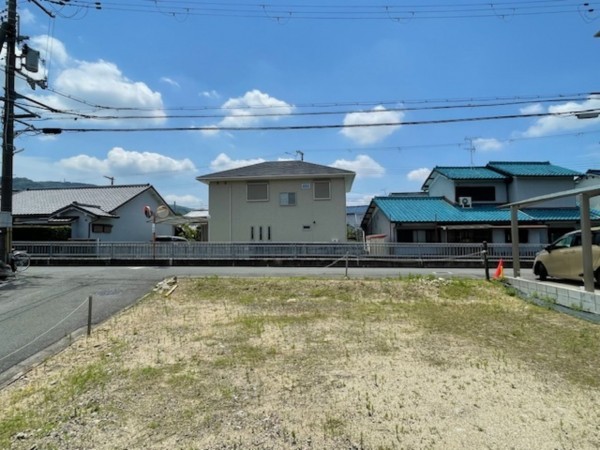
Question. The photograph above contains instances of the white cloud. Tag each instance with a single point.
(245, 111)
(190, 201)
(98, 83)
(51, 50)
(371, 134)
(536, 108)
(553, 124)
(210, 130)
(26, 17)
(358, 199)
(224, 162)
(418, 174)
(123, 162)
(169, 81)
(364, 166)
(210, 94)
(487, 144)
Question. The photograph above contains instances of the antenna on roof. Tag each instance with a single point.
(470, 148)
(112, 179)
(301, 154)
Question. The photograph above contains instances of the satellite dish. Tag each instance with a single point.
(162, 212)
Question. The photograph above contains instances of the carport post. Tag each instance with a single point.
(514, 235)
(586, 242)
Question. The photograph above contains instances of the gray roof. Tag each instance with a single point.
(93, 210)
(277, 169)
(104, 199)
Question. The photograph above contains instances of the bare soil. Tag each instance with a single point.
(311, 363)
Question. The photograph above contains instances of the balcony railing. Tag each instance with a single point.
(251, 250)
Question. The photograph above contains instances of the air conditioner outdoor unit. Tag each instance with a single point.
(465, 202)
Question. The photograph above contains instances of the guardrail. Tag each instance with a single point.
(252, 250)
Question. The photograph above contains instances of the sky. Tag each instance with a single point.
(164, 91)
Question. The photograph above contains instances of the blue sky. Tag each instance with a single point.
(296, 74)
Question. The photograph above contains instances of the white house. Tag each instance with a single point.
(279, 201)
(107, 213)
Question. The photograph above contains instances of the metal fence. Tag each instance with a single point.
(247, 250)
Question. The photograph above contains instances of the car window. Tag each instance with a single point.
(596, 238)
(576, 241)
(564, 242)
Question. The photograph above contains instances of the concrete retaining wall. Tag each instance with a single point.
(569, 296)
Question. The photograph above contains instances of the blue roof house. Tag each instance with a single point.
(463, 204)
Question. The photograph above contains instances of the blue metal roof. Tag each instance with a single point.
(440, 210)
(469, 173)
(531, 169)
(557, 214)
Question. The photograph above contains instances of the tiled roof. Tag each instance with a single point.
(557, 214)
(531, 169)
(89, 209)
(463, 173)
(469, 173)
(276, 169)
(47, 201)
(439, 210)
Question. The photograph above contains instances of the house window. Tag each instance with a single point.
(322, 190)
(260, 236)
(287, 199)
(523, 236)
(468, 236)
(269, 232)
(251, 233)
(477, 193)
(257, 192)
(101, 228)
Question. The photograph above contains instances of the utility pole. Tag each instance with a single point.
(8, 134)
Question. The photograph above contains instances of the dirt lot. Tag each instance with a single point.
(310, 363)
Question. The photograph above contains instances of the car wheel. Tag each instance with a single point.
(542, 272)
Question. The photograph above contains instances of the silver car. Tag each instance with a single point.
(563, 258)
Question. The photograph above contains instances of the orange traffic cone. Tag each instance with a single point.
(499, 270)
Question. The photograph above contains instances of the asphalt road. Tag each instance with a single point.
(43, 308)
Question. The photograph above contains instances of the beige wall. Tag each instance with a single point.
(232, 215)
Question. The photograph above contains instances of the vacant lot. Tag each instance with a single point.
(311, 363)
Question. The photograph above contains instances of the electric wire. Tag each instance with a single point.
(334, 126)
(394, 11)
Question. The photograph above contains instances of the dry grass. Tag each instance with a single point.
(312, 363)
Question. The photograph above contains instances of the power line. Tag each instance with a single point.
(393, 11)
(293, 110)
(338, 126)
(468, 102)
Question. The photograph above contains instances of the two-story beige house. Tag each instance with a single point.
(278, 201)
